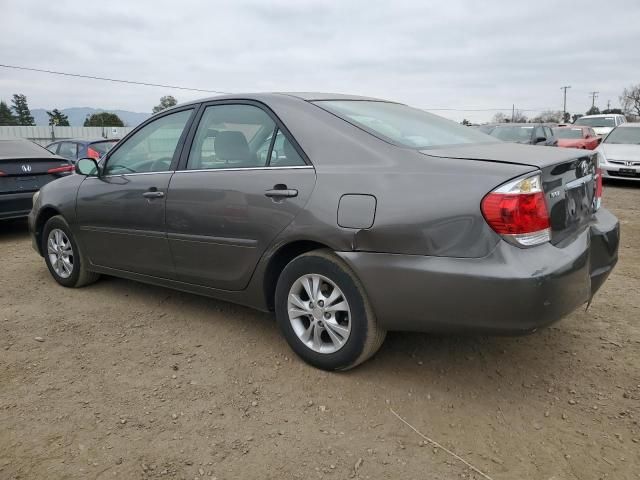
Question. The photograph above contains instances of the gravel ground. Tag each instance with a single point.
(124, 380)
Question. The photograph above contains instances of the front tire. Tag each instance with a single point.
(324, 313)
(62, 255)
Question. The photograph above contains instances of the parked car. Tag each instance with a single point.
(527, 133)
(620, 152)
(577, 137)
(367, 216)
(601, 124)
(74, 149)
(24, 168)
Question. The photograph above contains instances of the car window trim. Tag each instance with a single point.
(188, 144)
(243, 169)
(179, 146)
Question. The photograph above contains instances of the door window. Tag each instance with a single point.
(231, 136)
(548, 132)
(539, 133)
(68, 150)
(150, 149)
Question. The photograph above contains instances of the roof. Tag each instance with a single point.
(84, 140)
(18, 149)
(600, 115)
(509, 124)
(265, 96)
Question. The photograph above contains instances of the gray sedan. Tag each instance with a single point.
(347, 216)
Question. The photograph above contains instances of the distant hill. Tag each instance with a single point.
(77, 115)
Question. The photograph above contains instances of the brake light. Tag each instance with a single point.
(2, 174)
(91, 153)
(63, 169)
(518, 212)
(598, 198)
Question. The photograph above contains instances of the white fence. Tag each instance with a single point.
(46, 135)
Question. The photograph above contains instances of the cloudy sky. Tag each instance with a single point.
(464, 55)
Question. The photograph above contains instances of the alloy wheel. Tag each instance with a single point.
(60, 253)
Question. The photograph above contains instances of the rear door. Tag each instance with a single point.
(234, 193)
(121, 214)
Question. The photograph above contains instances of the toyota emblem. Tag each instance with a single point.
(26, 168)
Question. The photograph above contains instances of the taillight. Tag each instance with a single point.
(518, 212)
(91, 153)
(2, 174)
(598, 183)
(63, 169)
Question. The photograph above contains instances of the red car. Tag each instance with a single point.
(577, 137)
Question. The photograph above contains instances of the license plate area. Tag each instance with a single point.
(26, 183)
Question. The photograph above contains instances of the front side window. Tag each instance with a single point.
(231, 136)
(150, 149)
(402, 125)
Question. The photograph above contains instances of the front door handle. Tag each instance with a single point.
(281, 193)
(153, 194)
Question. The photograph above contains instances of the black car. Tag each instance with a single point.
(24, 168)
(74, 149)
(527, 133)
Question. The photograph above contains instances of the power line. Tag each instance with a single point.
(91, 77)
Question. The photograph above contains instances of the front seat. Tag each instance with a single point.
(232, 147)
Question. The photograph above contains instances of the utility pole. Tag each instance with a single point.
(608, 104)
(564, 108)
(513, 111)
(594, 95)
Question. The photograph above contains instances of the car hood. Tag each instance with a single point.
(535, 156)
(620, 151)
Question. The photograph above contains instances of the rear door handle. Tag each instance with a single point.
(153, 194)
(281, 193)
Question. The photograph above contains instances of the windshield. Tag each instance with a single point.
(596, 121)
(628, 135)
(567, 132)
(103, 147)
(403, 125)
(513, 133)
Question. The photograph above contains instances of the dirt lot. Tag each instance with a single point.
(133, 381)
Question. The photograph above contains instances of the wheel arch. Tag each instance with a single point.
(43, 216)
(280, 258)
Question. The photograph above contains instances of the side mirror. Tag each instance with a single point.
(88, 167)
(540, 139)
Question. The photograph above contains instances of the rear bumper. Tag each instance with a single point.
(511, 291)
(15, 205)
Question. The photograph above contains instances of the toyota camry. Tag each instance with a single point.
(346, 216)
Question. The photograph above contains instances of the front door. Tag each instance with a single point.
(243, 182)
(121, 213)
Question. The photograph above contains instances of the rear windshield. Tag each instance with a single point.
(567, 132)
(628, 135)
(403, 125)
(513, 133)
(596, 122)
(103, 147)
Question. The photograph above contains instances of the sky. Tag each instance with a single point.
(458, 55)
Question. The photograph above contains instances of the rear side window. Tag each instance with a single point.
(402, 125)
(68, 150)
(231, 136)
(53, 148)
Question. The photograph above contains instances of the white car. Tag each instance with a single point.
(601, 124)
(620, 152)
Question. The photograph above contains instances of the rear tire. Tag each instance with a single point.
(63, 256)
(337, 332)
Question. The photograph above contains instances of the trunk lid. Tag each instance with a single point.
(568, 178)
(28, 174)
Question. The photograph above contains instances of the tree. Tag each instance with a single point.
(500, 118)
(548, 116)
(593, 111)
(57, 118)
(6, 117)
(613, 111)
(465, 122)
(576, 116)
(630, 100)
(21, 110)
(566, 117)
(165, 102)
(103, 119)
